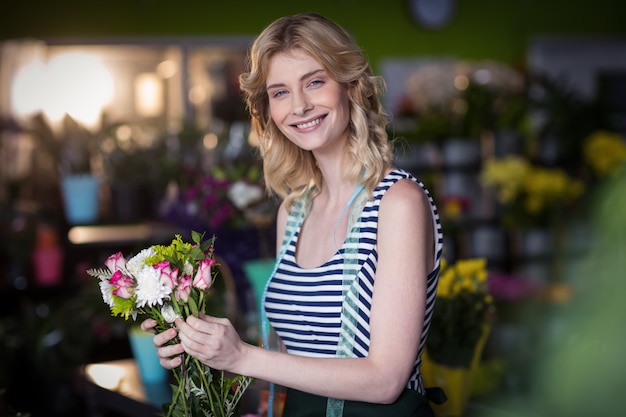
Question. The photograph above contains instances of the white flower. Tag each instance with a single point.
(243, 194)
(107, 292)
(188, 269)
(150, 290)
(168, 313)
(137, 262)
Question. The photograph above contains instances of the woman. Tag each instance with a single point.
(354, 286)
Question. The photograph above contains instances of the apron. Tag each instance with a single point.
(409, 404)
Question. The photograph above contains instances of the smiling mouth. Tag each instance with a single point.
(309, 124)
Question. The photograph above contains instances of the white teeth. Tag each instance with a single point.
(309, 124)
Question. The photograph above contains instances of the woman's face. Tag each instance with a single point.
(307, 105)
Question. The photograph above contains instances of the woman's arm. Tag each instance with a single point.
(405, 249)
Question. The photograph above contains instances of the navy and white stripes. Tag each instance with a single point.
(304, 305)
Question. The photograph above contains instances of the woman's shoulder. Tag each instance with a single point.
(402, 189)
(399, 176)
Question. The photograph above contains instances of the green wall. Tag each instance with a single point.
(481, 29)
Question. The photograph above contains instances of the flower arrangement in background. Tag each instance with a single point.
(530, 194)
(605, 153)
(223, 197)
(165, 283)
(463, 98)
(462, 310)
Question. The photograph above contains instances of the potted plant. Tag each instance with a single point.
(71, 153)
(455, 102)
(133, 160)
(458, 331)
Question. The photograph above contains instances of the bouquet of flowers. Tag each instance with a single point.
(166, 282)
(462, 311)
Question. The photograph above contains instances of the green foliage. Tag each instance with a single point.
(123, 307)
(448, 345)
(462, 310)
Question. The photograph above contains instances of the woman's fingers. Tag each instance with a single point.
(169, 354)
(148, 325)
(171, 363)
(162, 338)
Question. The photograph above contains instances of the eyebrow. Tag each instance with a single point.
(304, 76)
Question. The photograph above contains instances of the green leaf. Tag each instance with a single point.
(193, 306)
(196, 236)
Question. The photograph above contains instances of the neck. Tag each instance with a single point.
(335, 186)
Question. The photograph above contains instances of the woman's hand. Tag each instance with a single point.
(213, 341)
(169, 354)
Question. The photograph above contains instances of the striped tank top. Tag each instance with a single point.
(304, 306)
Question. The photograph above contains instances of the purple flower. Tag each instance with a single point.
(511, 287)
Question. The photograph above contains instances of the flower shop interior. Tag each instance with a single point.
(122, 125)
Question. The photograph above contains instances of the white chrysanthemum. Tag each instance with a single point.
(107, 292)
(137, 262)
(150, 290)
(187, 269)
(243, 194)
(168, 313)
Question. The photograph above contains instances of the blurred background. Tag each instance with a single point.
(121, 124)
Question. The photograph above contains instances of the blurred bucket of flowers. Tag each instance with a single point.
(530, 195)
(459, 329)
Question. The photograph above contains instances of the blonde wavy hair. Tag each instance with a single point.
(290, 171)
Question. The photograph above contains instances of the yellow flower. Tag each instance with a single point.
(605, 152)
(465, 276)
(461, 311)
(527, 189)
(506, 175)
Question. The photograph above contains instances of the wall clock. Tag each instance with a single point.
(431, 14)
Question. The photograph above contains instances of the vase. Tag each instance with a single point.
(455, 381)
(258, 271)
(536, 243)
(145, 354)
(461, 152)
(48, 266)
(80, 198)
(487, 242)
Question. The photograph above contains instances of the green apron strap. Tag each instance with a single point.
(350, 306)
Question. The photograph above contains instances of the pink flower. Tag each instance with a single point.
(115, 262)
(202, 280)
(184, 289)
(169, 276)
(123, 286)
(511, 287)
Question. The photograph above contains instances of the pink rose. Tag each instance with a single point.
(184, 289)
(202, 280)
(169, 276)
(115, 262)
(123, 285)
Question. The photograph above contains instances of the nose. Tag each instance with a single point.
(300, 104)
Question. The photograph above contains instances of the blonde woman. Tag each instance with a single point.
(352, 292)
